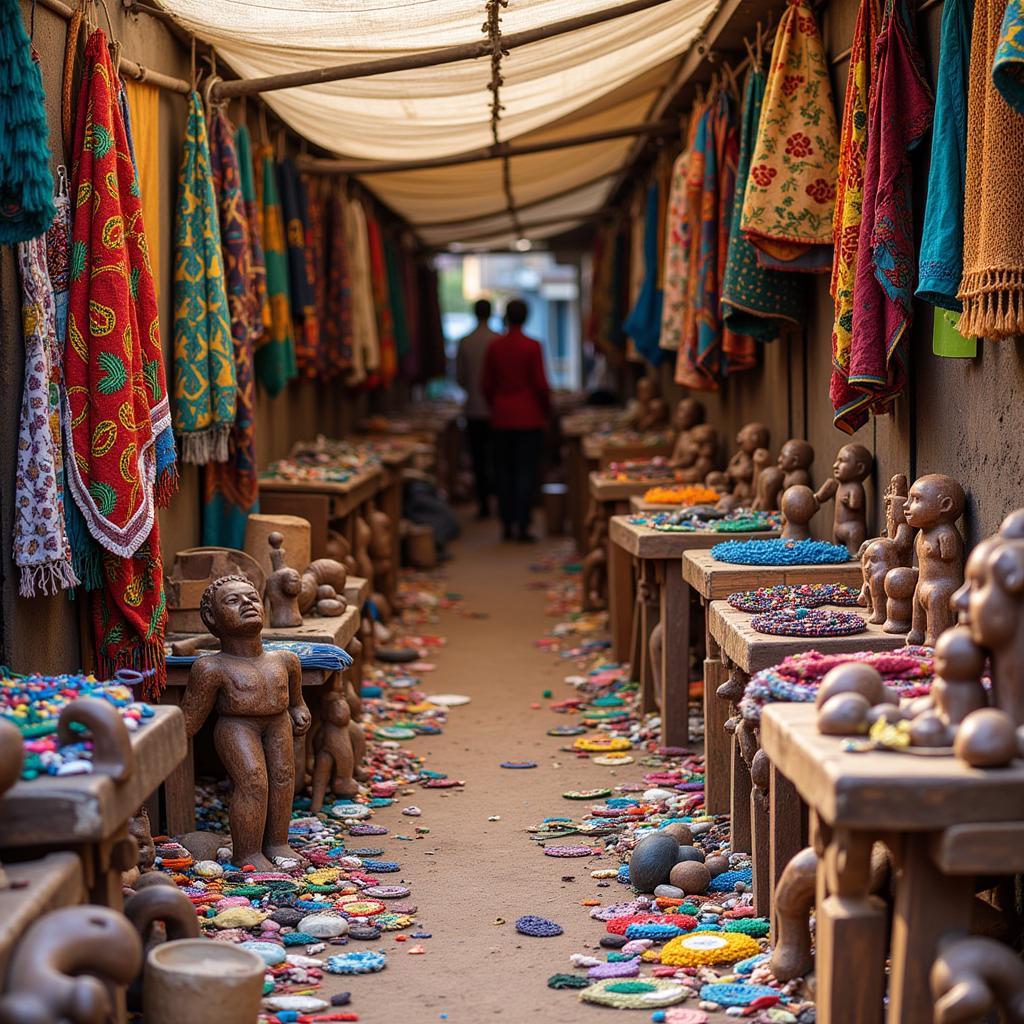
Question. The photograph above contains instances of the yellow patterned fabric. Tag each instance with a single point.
(205, 387)
(144, 103)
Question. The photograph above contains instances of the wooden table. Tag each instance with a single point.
(88, 814)
(937, 815)
(52, 882)
(180, 786)
(575, 428)
(714, 581)
(604, 450)
(756, 816)
(656, 554)
(322, 502)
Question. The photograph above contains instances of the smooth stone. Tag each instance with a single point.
(683, 834)
(298, 960)
(698, 828)
(611, 941)
(669, 892)
(239, 917)
(658, 794)
(716, 864)
(269, 952)
(652, 860)
(324, 926)
(363, 931)
(691, 876)
(208, 869)
(689, 853)
(299, 1004)
(287, 917)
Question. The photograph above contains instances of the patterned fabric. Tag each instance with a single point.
(116, 392)
(382, 306)
(755, 301)
(335, 297)
(791, 190)
(143, 101)
(643, 324)
(254, 215)
(301, 288)
(392, 257)
(275, 357)
(900, 115)
(41, 549)
(365, 346)
(26, 184)
(992, 289)
(942, 239)
(853, 149)
(327, 657)
(1008, 65)
(231, 488)
(205, 389)
(675, 263)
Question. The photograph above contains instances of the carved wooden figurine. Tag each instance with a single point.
(258, 698)
(933, 506)
(798, 509)
(851, 468)
(689, 413)
(704, 453)
(792, 468)
(956, 688)
(361, 548)
(283, 588)
(897, 529)
(636, 410)
(139, 829)
(900, 584)
(656, 416)
(334, 760)
(313, 597)
(975, 977)
(741, 465)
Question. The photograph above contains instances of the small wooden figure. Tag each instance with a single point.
(851, 468)
(767, 481)
(877, 559)
(324, 572)
(637, 411)
(975, 977)
(284, 585)
(361, 548)
(933, 506)
(689, 413)
(139, 829)
(741, 465)
(798, 509)
(704, 455)
(896, 527)
(258, 698)
(959, 663)
(900, 584)
(793, 955)
(792, 468)
(334, 759)
(656, 416)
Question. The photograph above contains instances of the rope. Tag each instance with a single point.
(492, 28)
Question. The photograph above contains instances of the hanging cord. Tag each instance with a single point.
(492, 28)
(67, 82)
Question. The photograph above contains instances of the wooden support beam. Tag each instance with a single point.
(428, 58)
(504, 149)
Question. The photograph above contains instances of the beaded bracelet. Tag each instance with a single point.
(780, 552)
(810, 622)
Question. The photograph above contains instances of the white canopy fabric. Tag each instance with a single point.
(592, 79)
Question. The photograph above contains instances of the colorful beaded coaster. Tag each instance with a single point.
(730, 994)
(357, 962)
(612, 760)
(809, 622)
(518, 764)
(538, 927)
(602, 744)
(386, 892)
(567, 730)
(805, 595)
(568, 981)
(780, 552)
(569, 851)
(586, 794)
(705, 948)
(634, 994)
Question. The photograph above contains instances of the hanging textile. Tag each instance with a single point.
(116, 407)
(899, 116)
(205, 388)
(300, 284)
(395, 294)
(231, 488)
(335, 298)
(382, 306)
(791, 189)
(365, 347)
(755, 301)
(992, 289)
(411, 362)
(1008, 64)
(943, 233)
(254, 215)
(275, 356)
(26, 184)
(41, 549)
(677, 252)
(144, 104)
(853, 148)
(643, 324)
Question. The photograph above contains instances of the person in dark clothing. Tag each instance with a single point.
(516, 389)
(469, 365)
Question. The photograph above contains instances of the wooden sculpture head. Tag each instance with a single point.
(753, 436)
(853, 464)
(231, 607)
(688, 414)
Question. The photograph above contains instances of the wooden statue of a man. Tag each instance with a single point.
(258, 698)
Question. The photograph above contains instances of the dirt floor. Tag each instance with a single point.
(472, 877)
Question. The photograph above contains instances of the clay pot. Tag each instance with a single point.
(987, 738)
(652, 860)
(853, 677)
(195, 979)
(845, 714)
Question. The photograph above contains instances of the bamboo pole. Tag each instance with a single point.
(428, 58)
(318, 165)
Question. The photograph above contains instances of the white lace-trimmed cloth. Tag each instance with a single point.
(41, 549)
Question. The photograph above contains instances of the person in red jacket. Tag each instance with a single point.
(517, 392)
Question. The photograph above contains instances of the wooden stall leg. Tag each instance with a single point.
(180, 785)
(675, 658)
(851, 948)
(928, 905)
(760, 827)
(620, 599)
(739, 799)
(716, 739)
(785, 813)
(649, 606)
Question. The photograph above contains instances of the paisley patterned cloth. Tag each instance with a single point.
(26, 184)
(853, 149)
(41, 549)
(791, 190)
(205, 388)
(334, 298)
(675, 264)
(900, 115)
(1008, 65)
(382, 306)
(116, 391)
(275, 355)
(755, 301)
(254, 215)
(231, 488)
(643, 324)
(301, 286)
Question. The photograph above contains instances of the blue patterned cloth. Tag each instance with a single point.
(643, 324)
(327, 657)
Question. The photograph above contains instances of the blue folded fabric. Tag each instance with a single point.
(328, 657)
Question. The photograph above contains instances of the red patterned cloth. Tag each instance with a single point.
(114, 370)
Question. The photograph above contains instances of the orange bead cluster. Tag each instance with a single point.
(692, 494)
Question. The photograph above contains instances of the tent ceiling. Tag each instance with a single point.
(596, 78)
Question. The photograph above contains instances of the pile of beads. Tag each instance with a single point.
(687, 495)
(808, 622)
(780, 552)
(805, 595)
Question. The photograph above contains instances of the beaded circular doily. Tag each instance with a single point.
(780, 552)
(602, 744)
(569, 851)
(705, 948)
(635, 994)
(357, 962)
(804, 595)
(386, 892)
(538, 927)
(811, 622)
(586, 794)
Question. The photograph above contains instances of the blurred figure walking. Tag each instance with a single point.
(469, 367)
